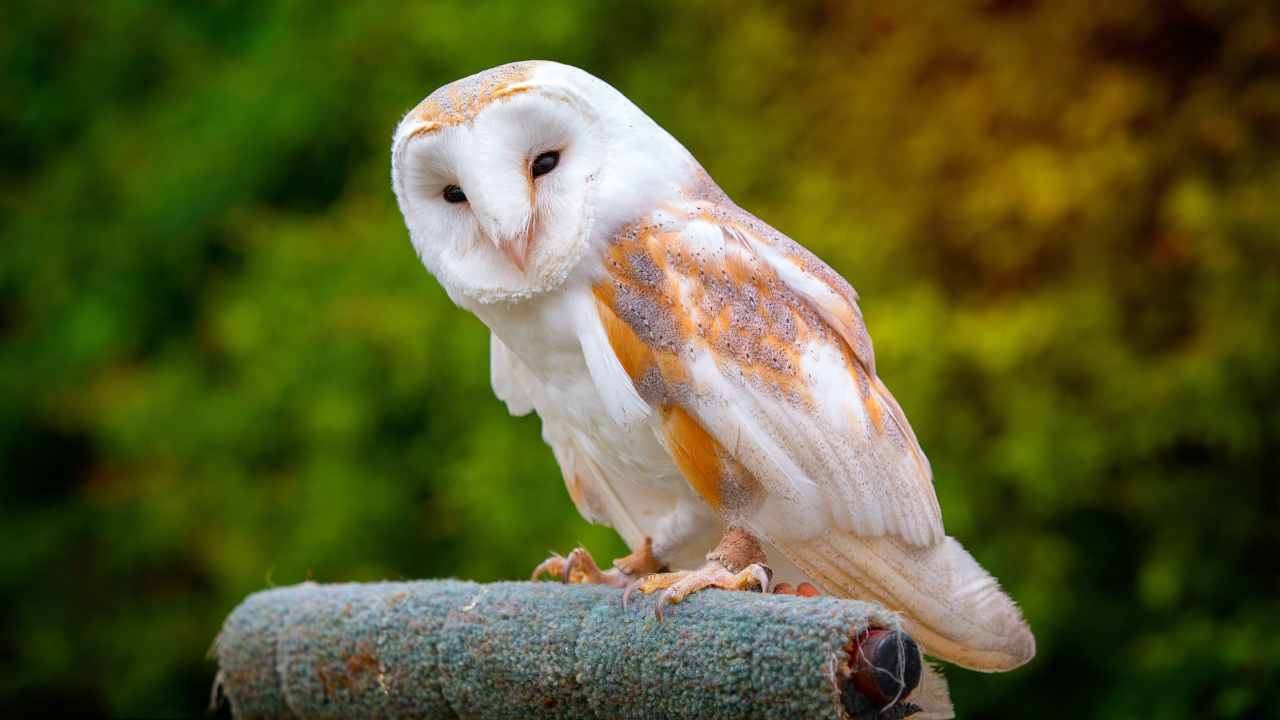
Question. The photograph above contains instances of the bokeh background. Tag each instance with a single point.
(222, 367)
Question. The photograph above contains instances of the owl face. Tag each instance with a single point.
(499, 176)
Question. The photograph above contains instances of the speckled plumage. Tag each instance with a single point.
(459, 102)
(693, 367)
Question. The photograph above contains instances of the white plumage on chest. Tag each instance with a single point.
(618, 473)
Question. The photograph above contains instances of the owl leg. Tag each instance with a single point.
(580, 567)
(737, 563)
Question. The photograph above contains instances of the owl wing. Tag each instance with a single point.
(750, 357)
(753, 355)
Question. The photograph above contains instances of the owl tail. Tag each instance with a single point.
(952, 607)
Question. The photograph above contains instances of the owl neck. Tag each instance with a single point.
(645, 169)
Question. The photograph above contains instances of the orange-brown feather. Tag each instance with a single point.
(696, 453)
(736, 308)
(873, 411)
(636, 357)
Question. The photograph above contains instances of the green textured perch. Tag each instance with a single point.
(452, 649)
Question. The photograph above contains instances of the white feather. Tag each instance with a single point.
(510, 379)
(624, 404)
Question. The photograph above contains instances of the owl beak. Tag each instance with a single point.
(514, 244)
(516, 248)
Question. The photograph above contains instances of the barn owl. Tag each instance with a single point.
(704, 382)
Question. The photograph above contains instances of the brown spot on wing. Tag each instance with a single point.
(672, 368)
(723, 482)
(873, 411)
(636, 357)
(696, 453)
(866, 393)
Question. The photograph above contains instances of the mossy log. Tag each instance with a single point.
(454, 649)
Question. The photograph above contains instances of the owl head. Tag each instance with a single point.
(507, 178)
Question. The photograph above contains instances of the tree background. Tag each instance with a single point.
(222, 367)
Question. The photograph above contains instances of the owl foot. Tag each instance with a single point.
(736, 563)
(580, 567)
(676, 586)
(804, 589)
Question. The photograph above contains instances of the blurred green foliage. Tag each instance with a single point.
(222, 367)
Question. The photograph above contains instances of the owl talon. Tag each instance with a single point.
(664, 598)
(763, 576)
(676, 586)
(578, 556)
(631, 588)
(552, 566)
(579, 567)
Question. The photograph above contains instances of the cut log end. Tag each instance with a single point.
(883, 668)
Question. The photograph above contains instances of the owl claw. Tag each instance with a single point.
(763, 576)
(553, 565)
(579, 567)
(626, 594)
(575, 558)
(676, 586)
(663, 599)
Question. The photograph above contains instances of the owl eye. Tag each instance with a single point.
(454, 194)
(544, 163)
